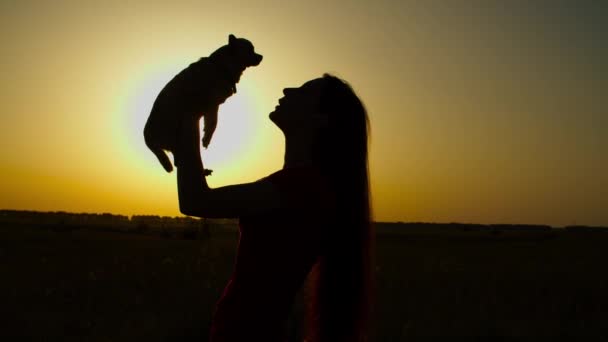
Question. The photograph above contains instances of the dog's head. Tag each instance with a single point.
(243, 51)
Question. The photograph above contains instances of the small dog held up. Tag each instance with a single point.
(197, 91)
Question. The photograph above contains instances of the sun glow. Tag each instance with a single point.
(236, 136)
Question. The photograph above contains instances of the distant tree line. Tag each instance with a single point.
(135, 222)
(167, 225)
(463, 229)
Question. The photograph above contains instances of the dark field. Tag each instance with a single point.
(95, 285)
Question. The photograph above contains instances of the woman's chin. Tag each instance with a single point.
(273, 114)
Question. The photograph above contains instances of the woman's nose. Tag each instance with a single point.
(288, 91)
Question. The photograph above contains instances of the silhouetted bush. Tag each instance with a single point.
(142, 227)
(190, 234)
(166, 233)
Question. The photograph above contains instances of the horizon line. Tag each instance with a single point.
(235, 219)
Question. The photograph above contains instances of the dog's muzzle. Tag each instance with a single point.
(258, 58)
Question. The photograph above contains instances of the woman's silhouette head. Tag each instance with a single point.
(327, 115)
(298, 113)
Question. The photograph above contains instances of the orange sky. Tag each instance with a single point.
(491, 112)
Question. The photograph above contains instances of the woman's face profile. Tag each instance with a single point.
(298, 109)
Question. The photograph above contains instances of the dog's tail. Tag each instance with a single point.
(163, 158)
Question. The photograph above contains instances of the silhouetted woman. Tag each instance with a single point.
(313, 216)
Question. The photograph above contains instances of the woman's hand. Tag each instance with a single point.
(188, 134)
(191, 182)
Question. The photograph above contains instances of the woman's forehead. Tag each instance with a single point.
(312, 85)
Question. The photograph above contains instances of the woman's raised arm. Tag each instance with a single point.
(195, 196)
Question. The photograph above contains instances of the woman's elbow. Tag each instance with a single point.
(187, 208)
(185, 211)
(196, 209)
(189, 203)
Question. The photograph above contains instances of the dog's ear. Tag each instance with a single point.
(231, 39)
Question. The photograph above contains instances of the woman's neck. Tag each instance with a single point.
(298, 153)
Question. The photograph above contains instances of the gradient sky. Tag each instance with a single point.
(481, 111)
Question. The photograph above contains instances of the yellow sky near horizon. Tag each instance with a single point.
(484, 112)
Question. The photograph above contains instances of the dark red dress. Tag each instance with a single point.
(276, 251)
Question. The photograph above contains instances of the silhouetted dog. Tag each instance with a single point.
(197, 90)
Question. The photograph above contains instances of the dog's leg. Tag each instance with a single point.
(210, 120)
(163, 158)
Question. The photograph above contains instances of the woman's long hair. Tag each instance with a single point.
(341, 283)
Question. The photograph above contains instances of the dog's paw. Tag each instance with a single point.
(207, 172)
(205, 141)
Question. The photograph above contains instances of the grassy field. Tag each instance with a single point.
(109, 286)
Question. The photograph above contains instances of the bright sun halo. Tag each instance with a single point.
(234, 137)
